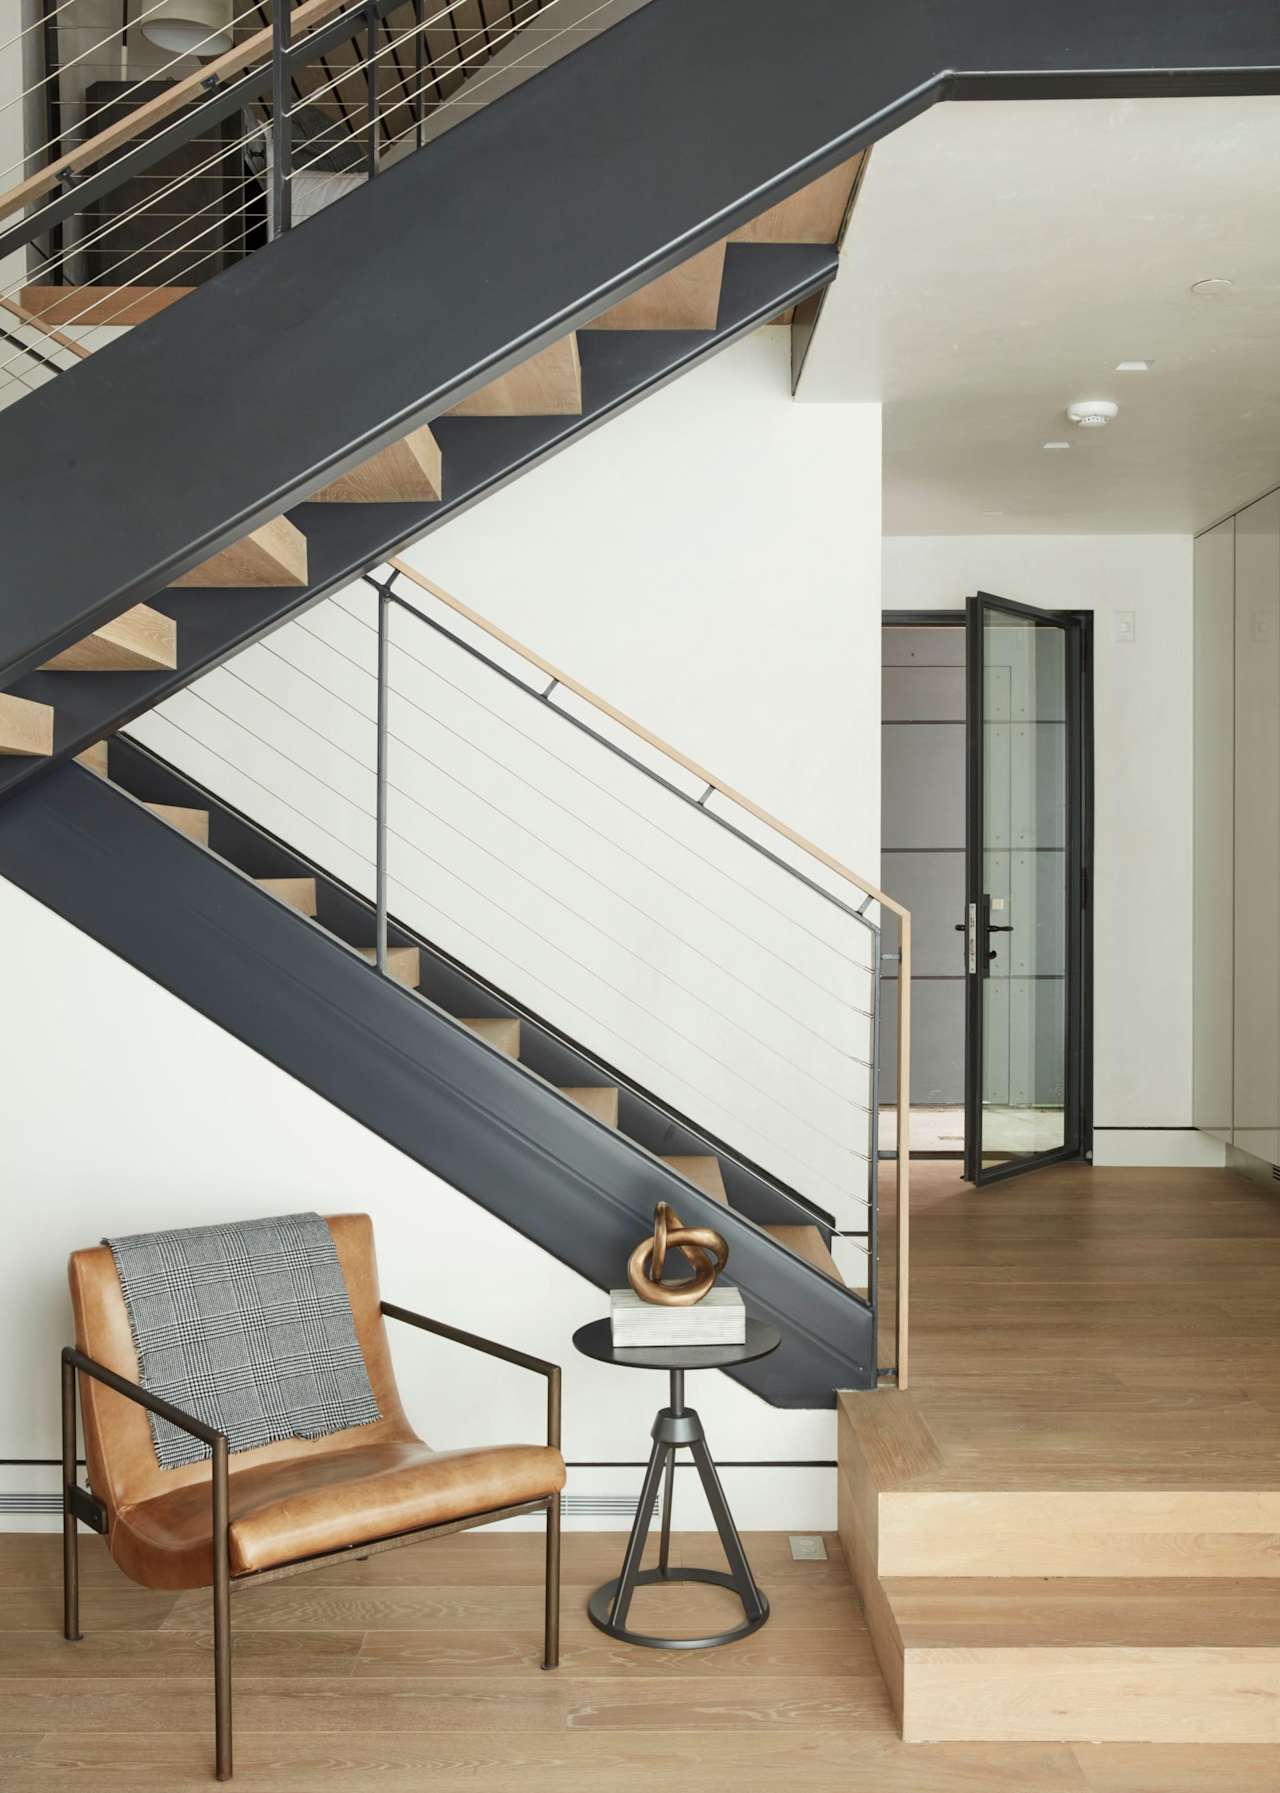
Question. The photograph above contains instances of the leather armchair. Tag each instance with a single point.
(286, 1507)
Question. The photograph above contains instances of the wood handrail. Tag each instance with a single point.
(552, 671)
(33, 321)
(644, 734)
(234, 61)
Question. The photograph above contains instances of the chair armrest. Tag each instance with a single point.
(474, 1342)
(133, 1391)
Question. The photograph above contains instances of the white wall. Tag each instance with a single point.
(710, 562)
(1142, 891)
(159, 1118)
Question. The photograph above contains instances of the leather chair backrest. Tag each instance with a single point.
(118, 1446)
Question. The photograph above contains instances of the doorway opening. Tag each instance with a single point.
(986, 832)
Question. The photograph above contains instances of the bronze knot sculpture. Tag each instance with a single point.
(704, 1248)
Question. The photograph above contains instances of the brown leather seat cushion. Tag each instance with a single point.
(284, 1512)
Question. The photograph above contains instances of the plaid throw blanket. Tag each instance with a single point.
(247, 1327)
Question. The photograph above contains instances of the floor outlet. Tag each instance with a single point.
(808, 1550)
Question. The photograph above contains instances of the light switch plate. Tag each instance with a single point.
(1126, 625)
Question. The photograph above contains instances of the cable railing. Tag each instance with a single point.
(706, 956)
(143, 198)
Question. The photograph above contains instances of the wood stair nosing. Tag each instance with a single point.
(139, 640)
(274, 554)
(194, 823)
(404, 963)
(95, 758)
(600, 1101)
(407, 472)
(703, 1171)
(502, 1032)
(297, 893)
(26, 728)
(548, 384)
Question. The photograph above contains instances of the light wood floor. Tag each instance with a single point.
(419, 1670)
(1084, 1328)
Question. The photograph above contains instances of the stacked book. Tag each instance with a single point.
(718, 1319)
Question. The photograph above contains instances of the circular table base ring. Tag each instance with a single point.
(601, 1603)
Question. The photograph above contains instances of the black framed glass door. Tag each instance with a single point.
(1025, 928)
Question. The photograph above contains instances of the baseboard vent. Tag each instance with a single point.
(27, 1501)
(1275, 1173)
(601, 1506)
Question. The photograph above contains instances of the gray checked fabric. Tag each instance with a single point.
(247, 1327)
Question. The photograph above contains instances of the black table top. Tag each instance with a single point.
(595, 1340)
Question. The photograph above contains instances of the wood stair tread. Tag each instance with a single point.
(194, 823)
(139, 640)
(687, 297)
(807, 1243)
(95, 758)
(274, 554)
(548, 384)
(404, 963)
(703, 1171)
(502, 1032)
(298, 893)
(25, 727)
(407, 472)
(600, 1102)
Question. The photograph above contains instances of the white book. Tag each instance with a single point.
(718, 1319)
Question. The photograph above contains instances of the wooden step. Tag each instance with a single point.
(275, 554)
(807, 1243)
(141, 640)
(548, 384)
(85, 305)
(25, 728)
(404, 963)
(95, 758)
(813, 215)
(406, 473)
(298, 893)
(602, 1103)
(194, 823)
(940, 1503)
(502, 1032)
(686, 298)
(703, 1171)
(1107, 1660)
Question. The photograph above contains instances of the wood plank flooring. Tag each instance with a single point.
(420, 1669)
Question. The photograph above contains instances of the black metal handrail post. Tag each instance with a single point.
(281, 127)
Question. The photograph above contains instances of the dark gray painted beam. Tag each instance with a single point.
(401, 1067)
(529, 218)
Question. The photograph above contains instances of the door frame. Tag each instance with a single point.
(1078, 1065)
(1080, 933)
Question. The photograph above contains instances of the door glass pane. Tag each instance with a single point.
(1024, 848)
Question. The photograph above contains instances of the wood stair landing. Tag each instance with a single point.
(1086, 1660)
(1009, 1600)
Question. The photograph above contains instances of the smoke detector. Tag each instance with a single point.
(1092, 413)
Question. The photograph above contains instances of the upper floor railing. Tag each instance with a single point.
(146, 188)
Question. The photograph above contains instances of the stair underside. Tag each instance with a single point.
(479, 455)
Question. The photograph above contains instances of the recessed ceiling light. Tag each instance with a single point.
(1216, 287)
(1057, 445)
(993, 513)
(1134, 367)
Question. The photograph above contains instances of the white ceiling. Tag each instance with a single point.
(1004, 256)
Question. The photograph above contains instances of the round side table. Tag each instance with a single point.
(678, 1425)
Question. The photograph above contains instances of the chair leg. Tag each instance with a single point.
(551, 1649)
(221, 1615)
(70, 1530)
